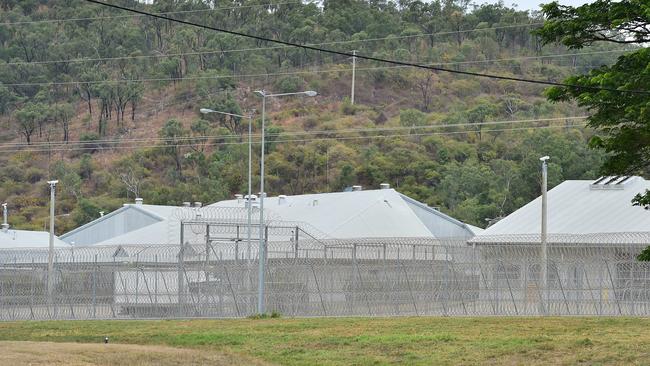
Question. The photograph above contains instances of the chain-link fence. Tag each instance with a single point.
(306, 276)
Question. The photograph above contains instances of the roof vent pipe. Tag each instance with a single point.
(282, 199)
(5, 225)
(384, 186)
(187, 204)
(198, 204)
(139, 201)
(357, 188)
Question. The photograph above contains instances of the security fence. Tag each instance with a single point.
(306, 276)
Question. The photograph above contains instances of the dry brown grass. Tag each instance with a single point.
(78, 354)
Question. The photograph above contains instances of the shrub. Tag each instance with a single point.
(289, 84)
(34, 175)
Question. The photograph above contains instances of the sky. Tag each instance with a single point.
(534, 4)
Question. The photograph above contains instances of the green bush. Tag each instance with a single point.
(289, 84)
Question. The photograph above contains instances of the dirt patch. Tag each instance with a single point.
(80, 354)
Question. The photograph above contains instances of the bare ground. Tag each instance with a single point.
(79, 354)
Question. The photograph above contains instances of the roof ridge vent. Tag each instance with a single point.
(282, 199)
(611, 182)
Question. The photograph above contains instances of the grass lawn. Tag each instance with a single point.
(336, 341)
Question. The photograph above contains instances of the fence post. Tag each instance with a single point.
(95, 288)
(487, 289)
(361, 288)
(408, 284)
(611, 280)
(455, 282)
(296, 242)
(600, 280)
(31, 291)
(559, 280)
(137, 279)
(446, 279)
(514, 303)
(320, 295)
(591, 293)
(181, 269)
(232, 290)
(155, 281)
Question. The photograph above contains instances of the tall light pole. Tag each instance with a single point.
(250, 169)
(544, 249)
(50, 257)
(261, 251)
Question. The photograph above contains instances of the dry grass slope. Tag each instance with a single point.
(79, 354)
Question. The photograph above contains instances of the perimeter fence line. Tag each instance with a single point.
(307, 276)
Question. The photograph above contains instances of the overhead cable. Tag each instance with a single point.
(370, 58)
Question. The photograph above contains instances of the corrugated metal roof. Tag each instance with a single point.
(578, 207)
(27, 239)
(361, 214)
(127, 219)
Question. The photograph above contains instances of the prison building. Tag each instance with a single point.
(342, 215)
(594, 234)
(358, 213)
(135, 223)
(16, 239)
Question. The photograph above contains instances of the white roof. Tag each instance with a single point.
(577, 208)
(130, 224)
(368, 214)
(363, 214)
(27, 239)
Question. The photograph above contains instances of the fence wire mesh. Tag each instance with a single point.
(215, 275)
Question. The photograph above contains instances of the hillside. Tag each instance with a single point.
(108, 103)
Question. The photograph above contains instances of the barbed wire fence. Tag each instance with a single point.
(214, 274)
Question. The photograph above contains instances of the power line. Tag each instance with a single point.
(140, 15)
(251, 49)
(290, 133)
(287, 73)
(370, 58)
(140, 112)
(139, 146)
(199, 53)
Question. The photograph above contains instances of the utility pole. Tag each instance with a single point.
(544, 254)
(354, 69)
(50, 257)
(263, 228)
(5, 223)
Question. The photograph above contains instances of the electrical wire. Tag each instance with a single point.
(139, 146)
(253, 49)
(64, 20)
(290, 133)
(199, 53)
(286, 73)
(370, 58)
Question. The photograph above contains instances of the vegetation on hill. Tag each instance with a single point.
(107, 103)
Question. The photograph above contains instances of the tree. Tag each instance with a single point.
(619, 115)
(173, 133)
(229, 105)
(62, 114)
(30, 116)
(424, 82)
(412, 117)
(479, 115)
